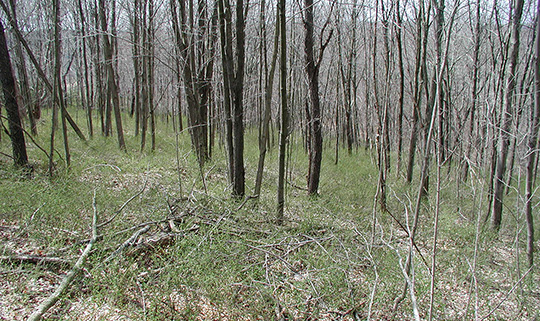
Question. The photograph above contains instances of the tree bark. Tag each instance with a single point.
(234, 89)
(24, 87)
(498, 190)
(12, 108)
(314, 118)
(87, 101)
(268, 91)
(284, 129)
(533, 144)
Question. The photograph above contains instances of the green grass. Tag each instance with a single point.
(236, 263)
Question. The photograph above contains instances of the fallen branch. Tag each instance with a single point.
(53, 298)
(128, 242)
(161, 240)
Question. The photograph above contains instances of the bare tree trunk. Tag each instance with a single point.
(39, 70)
(284, 129)
(399, 43)
(87, 101)
(234, 88)
(58, 77)
(347, 78)
(498, 189)
(268, 91)
(8, 86)
(24, 87)
(315, 114)
(238, 92)
(196, 83)
(226, 51)
(136, 40)
(112, 87)
(420, 34)
(474, 90)
(150, 72)
(532, 144)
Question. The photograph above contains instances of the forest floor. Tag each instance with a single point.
(173, 245)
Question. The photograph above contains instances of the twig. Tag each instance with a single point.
(296, 186)
(118, 169)
(129, 241)
(100, 237)
(124, 205)
(53, 298)
(407, 274)
(143, 300)
(289, 265)
(507, 294)
(245, 201)
(376, 282)
(32, 139)
(406, 230)
(7, 155)
(30, 219)
(320, 245)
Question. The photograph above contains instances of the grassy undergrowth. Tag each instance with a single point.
(206, 256)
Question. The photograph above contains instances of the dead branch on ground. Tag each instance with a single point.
(53, 298)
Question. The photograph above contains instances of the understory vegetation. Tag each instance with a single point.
(172, 244)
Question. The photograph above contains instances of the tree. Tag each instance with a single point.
(10, 101)
(41, 74)
(24, 86)
(85, 94)
(314, 113)
(112, 86)
(507, 116)
(198, 56)
(284, 129)
(532, 144)
(233, 84)
(268, 91)
(58, 91)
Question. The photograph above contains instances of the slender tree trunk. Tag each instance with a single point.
(284, 129)
(196, 84)
(135, 37)
(268, 91)
(24, 87)
(10, 102)
(401, 86)
(226, 56)
(234, 89)
(238, 97)
(315, 114)
(145, 94)
(37, 66)
(88, 102)
(150, 73)
(498, 190)
(533, 144)
(417, 91)
(474, 90)
(58, 77)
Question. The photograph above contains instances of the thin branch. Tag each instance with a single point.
(128, 242)
(124, 205)
(507, 294)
